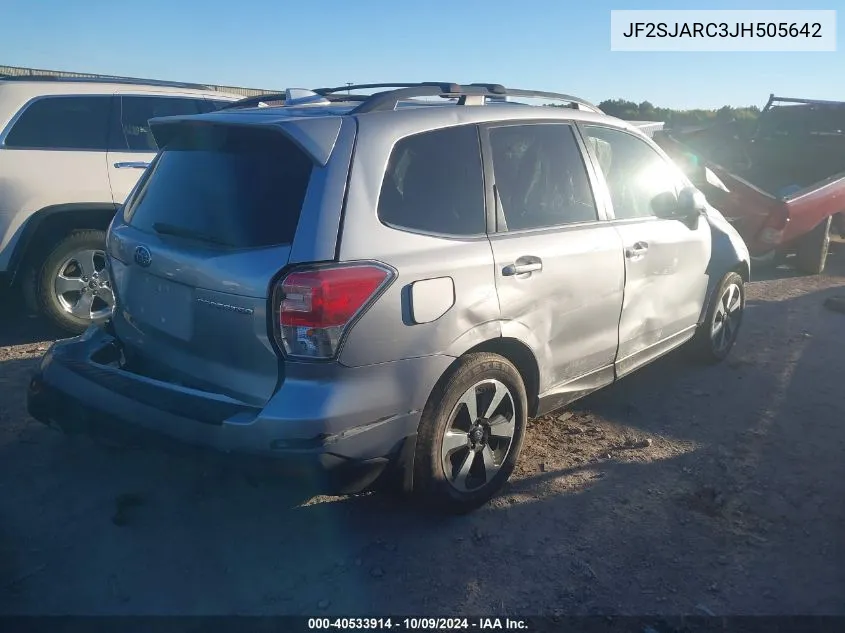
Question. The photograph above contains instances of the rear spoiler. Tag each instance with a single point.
(316, 136)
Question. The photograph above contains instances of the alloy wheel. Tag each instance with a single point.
(726, 319)
(83, 287)
(479, 435)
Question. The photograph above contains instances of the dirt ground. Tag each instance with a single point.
(680, 490)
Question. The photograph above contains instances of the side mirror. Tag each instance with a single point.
(689, 203)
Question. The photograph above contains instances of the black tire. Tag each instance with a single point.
(41, 280)
(485, 371)
(705, 346)
(811, 249)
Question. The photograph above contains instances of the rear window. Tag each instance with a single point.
(236, 188)
(71, 122)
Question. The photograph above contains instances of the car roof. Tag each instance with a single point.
(433, 116)
(436, 104)
(314, 118)
(49, 86)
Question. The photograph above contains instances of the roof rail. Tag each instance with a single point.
(389, 99)
(344, 94)
(576, 102)
(331, 94)
(349, 87)
(106, 80)
(470, 94)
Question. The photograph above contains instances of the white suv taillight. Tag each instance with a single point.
(315, 307)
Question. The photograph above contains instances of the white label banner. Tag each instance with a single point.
(723, 31)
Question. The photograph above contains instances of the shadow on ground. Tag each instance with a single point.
(17, 327)
(735, 508)
(786, 270)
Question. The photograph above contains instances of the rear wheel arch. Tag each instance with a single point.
(521, 356)
(514, 351)
(44, 228)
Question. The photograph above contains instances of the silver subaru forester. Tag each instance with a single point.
(385, 287)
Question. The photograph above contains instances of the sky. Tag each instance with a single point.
(552, 45)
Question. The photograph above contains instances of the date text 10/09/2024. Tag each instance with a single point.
(724, 29)
(418, 624)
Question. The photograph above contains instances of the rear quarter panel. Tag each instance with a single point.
(387, 331)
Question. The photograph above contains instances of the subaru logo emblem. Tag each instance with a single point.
(143, 257)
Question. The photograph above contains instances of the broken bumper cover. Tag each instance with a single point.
(342, 449)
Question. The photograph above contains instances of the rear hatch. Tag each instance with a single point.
(196, 250)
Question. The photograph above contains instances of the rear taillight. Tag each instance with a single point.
(315, 307)
(773, 228)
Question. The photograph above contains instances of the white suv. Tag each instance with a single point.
(70, 152)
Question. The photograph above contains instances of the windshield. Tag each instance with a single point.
(238, 188)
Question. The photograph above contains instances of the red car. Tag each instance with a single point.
(783, 185)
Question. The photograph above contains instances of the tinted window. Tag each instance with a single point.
(634, 171)
(540, 177)
(134, 133)
(434, 183)
(239, 188)
(63, 123)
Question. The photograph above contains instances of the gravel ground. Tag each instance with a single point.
(679, 490)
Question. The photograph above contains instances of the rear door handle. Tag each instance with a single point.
(637, 250)
(132, 165)
(523, 265)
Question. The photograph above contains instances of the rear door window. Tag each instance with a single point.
(66, 122)
(434, 183)
(230, 187)
(541, 178)
(136, 111)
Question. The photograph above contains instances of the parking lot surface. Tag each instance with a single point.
(682, 489)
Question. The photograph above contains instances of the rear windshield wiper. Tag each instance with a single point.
(164, 228)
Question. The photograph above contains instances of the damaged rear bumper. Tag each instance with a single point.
(328, 427)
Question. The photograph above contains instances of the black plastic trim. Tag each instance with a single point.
(328, 471)
(207, 408)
